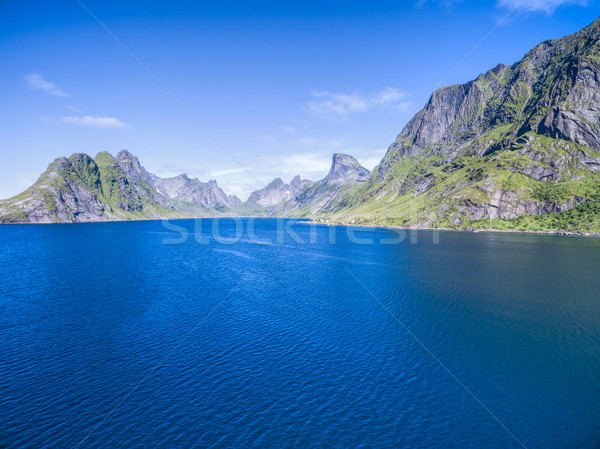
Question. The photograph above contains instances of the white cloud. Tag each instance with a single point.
(227, 171)
(389, 95)
(547, 6)
(242, 191)
(37, 82)
(289, 129)
(328, 104)
(313, 166)
(169, 169)
(339, 106)
(306, 164)
(96, 122)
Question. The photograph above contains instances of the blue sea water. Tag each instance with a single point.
(125, 335)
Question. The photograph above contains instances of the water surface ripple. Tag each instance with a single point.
(299, 355)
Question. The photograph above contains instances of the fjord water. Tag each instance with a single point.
(113, 335)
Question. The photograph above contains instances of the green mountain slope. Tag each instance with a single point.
(105, 188)
(519, 147)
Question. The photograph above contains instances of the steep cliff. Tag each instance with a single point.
(303, 198)
(520, 140)
(277, 192)
(186, 193)
(82, 189)
(345, 176)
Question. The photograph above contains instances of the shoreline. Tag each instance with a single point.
(560, 233)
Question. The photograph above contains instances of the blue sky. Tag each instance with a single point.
(279, 86)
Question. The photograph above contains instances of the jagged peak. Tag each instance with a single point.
(584, 36)
(276, 182)
(124, 155)
(593, 27)
(59, 162)
(80, 156)
(346, 168)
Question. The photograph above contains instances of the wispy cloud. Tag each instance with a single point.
(309, 165)
(328, 104)
(170, 169)
(227, 171)
(546, 6)
(242, 191)
(340, 106)
(96, 122)
(300, 163)
(37, 82)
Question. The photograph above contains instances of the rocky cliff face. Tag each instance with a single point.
(302, 198)
(518, 140)
(188, 193)
(270, 195)
(277, 192)
(345, 175)
(344, 169)
(297, 184)
(81, 189)
(126, 185)
(553, 91)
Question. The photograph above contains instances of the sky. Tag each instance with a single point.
(243, 91)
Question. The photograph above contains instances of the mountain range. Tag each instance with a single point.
(516, 148)
(82, 189)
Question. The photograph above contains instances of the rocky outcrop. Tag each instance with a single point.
(82, 189)
(302, 198)
(273, 193)
(126, 184)
(327, 195)
(188, 193)
(485, 149)
(297, 185)
(277, 192)
(70, 190)
(345, 169)
(553, 90)
(171, 187)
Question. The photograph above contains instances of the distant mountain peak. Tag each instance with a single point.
(345, 168)
(277, 192)
(124, 155)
